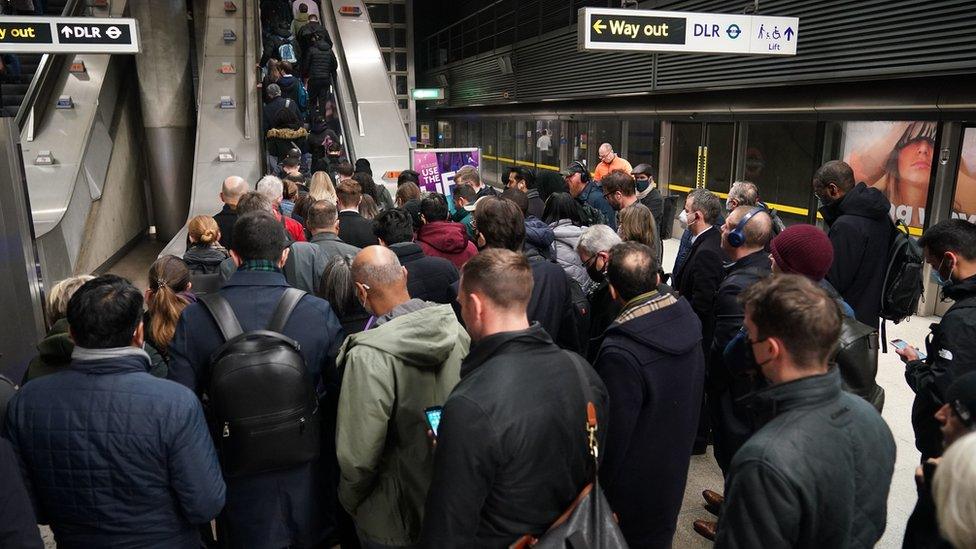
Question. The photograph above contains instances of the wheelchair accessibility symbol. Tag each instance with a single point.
(733, 31)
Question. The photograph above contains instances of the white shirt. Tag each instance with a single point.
(695, 237)
(543, 143)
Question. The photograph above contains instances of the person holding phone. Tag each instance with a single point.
(511, 449)
(393, 373)
(950, 249)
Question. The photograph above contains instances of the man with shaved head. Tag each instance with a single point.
(652, 363)
(231, 192)
(408, 359)
(609, 162)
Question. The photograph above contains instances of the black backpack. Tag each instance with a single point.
(857, 359)
(262, 407)
(903, 277)
(590, 216)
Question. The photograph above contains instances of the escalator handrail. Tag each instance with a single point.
(45, 69)
(343, 65)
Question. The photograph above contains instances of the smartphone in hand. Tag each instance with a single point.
(433, 417)
(901, 344)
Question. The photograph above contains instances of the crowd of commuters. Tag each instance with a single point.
(332, 364)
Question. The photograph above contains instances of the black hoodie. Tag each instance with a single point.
(861, 232)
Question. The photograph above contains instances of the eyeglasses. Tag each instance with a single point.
(590, 261)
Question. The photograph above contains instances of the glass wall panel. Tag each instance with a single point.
(524, 142)
(601, 131)
(489, 147)
(578, 130)
(780, 158)
(964, 200)
(445, 135)
(547, 136)
(685, 144)
(643, 142)
(894, 157)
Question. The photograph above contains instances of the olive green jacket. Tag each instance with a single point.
(391, 373)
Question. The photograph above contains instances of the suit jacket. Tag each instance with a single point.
(356, 230)
(700, 277)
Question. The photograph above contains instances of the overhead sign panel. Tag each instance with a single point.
(675, 31)
(68, 35)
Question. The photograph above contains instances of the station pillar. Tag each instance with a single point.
(166, 93)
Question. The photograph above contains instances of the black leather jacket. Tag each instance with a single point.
(817, 474)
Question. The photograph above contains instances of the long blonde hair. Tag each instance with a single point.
(203, 229)
(168, 276)
(321, 187)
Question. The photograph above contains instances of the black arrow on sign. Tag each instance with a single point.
(789, 33)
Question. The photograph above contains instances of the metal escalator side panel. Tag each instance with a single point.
(236, 129)
(367, 100)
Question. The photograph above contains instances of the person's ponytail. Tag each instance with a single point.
(168, 276)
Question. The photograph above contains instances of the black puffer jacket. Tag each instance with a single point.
(320, 62)
(816, 475)
(204, 258)
(951, 350)
(860, 231)
(511, 449)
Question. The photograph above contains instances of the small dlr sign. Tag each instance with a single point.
(708, 31)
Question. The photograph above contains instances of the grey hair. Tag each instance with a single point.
(271, 187)
(385, 271)
(274, 90)
(745, 193)
(705, 201)
(954, 494)
(60, 294)
(598, 238)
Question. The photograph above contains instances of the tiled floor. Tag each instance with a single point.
(704, 473)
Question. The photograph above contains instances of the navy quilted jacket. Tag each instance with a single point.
(291, 507)
(114, 456)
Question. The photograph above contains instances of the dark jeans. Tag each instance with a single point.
(318, 93)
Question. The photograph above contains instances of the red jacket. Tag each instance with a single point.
(446, 239)
(294, 228)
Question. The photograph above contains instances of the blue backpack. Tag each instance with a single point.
(287, 52)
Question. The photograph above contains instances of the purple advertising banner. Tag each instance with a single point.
(438, 166)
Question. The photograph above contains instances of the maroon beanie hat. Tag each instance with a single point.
(804, 250)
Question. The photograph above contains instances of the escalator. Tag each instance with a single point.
(13, 89)
(366, 99)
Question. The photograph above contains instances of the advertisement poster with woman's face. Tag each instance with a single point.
(895, 158)
(964, 202)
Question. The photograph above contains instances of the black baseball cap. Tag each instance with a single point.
(575, 167)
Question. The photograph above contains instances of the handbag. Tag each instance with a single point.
(588, 523)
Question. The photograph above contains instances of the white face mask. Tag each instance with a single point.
(683, 218)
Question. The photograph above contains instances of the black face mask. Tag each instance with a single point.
(750, 356)
(595, 275)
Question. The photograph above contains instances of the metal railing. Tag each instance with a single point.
(39, 91)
